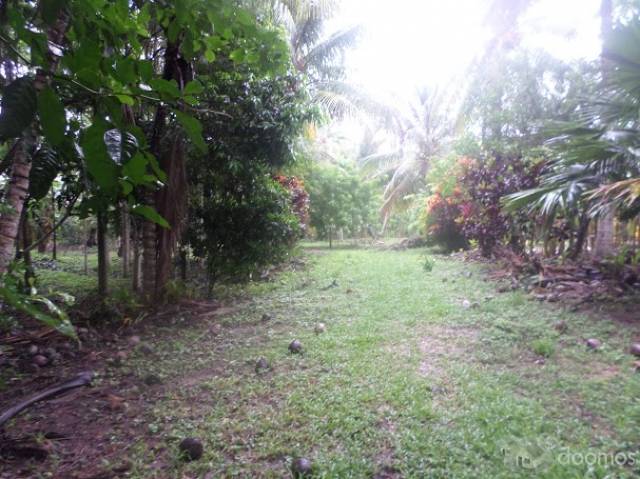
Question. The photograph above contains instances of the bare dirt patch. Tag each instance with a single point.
(87, 433)
(440, 344)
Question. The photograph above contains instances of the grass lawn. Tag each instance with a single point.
(405, 382)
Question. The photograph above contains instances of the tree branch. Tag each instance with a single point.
(55, 227)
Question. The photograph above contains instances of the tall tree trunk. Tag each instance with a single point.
(26, 253)
(103, 256)
(171, 204)
(149, 255)
(136, 256)
(18, 186)
(605, 227)
(85, 248)
(125, 238)
(17, 192)
(170, 201)
(604, 245)
(183, 263)
(54, 251)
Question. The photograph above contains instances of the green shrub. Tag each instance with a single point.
(428, 263)
(544, 347)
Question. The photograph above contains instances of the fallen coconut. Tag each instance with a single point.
(301, 467)
(40, 360)
(635, 349)
(261, 365)
(593, 343)
(152, 380)
(266, 317)
(145, 348)
(320, 328)
(561, 327)
(191, 449)
(33, 350)
(133, 340)
(295, 347)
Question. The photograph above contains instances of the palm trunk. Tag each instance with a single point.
(103, 256)
(605, 226)
(604, 235)
(21, 163)
(26, 252)
(16, 195)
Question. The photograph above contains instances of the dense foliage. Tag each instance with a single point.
(340, 201)
(135, 106)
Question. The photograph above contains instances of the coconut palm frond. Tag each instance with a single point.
(325, 53)
(620, 193)
(379, 164)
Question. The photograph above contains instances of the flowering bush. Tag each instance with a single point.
(471, 208)
(299, 199)
(443, 225)
(484, 183)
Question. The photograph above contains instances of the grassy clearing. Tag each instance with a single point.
(406, 382)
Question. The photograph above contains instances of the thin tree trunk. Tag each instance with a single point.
(85, 248)
(26, 253)
(183, 264)
(149, 255)
(136, 256)
(125, 239)
(54, 252)
(103, 256)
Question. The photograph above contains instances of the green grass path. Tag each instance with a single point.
(405, 382)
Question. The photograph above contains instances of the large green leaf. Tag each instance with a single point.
(136, 168)
(99, 164)
(52, 116)
(19, 104)
(45, 167)
(193, 127)
(149, 213)
(11, 295)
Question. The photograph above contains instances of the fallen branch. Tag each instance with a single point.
(82, 379)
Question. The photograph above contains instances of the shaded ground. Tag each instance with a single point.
(406, 382)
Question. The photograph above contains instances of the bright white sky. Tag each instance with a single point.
(409, 43)
(413, 43)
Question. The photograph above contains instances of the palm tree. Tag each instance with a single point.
(422, 134)
(319, 57)
(597, 164)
